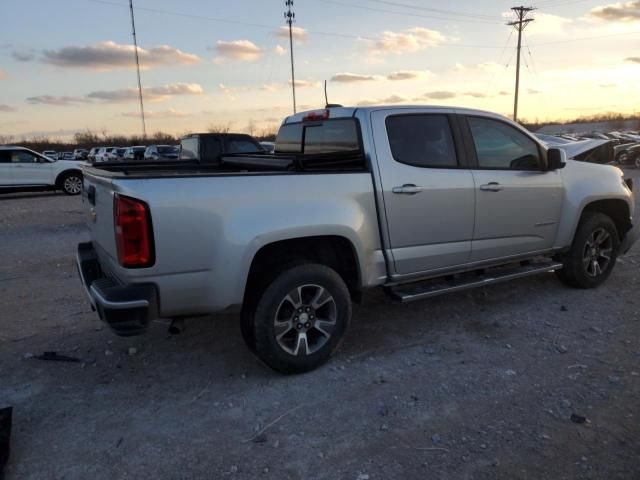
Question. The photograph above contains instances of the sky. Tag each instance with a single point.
(68, 65)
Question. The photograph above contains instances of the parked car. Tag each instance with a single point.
(103, 154)
(51, 154)
(633, 155)
(116, 154)
(268, 147)
(209, 147)
(92, 154)
(419, 200)
(65, 156)
(24, 169)
(162, 152)
(80, 154)
(134, 153)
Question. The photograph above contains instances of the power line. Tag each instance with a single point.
(519, 24)
(135, 48)
(406, 14)
(436, 10)
(290, 17)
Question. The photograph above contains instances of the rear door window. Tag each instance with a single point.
(189, 148)
(422, 140)
(240, 145)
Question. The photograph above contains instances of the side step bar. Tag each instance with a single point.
(431, 288)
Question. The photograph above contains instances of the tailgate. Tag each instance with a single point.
(97, 200)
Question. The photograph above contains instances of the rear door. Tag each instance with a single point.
(428, 190)
(518, 201)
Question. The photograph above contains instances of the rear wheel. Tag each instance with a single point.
(593, 253)
(299, 319)
(637, 161)
(71, 183)
(622, 158)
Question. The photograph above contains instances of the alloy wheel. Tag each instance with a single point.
(72, 185)
(305, 320)
(597, 252)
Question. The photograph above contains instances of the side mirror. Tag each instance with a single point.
(556, 159)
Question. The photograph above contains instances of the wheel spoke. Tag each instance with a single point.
(324, 327)
(282, 328)
(295, 297)
(596, 268)
(301, 342)
(602, 237)
(606, 253)
(318, 301)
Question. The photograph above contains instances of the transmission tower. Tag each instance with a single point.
(290, 17)
(520, 23)
(135, 47)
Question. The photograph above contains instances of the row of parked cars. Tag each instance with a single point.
(622, 148)
(139, 152)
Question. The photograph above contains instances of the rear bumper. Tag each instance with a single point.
(629, 239)
(126, 309)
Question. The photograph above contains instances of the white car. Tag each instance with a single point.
(103, 154)
(24, 169)
(50, 154)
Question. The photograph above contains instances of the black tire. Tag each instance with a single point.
(71, 183)
(622, 158)
(578, 270)
(320, 291)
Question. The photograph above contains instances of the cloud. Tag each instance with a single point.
(351, 78)
(7, 108)
(306, 84)
(382, 101)
(170, 113)
(632, 59)
(618, 12)
(279, 50)
(476, 94)
(270, 87)
(543, 24)
(408, 41)
(440, 95)
(238, 50)
(299, 34)
(61, 101)
(152, 94)
(23, 55)
(533, 91)
(503, 92)
(408, 75)
(110, 55)
(608, 85)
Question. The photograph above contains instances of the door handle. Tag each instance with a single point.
(407, 189)
(491, 187)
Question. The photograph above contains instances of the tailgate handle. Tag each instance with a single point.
(91, 194)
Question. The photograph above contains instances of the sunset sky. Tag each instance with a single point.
(68, 65)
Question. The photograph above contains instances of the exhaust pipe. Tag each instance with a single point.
(177, 326)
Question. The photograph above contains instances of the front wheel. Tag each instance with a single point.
(623, 158)
(71, 183)
(593, 253)
(300, 318)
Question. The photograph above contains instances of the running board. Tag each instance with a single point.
(431, 288)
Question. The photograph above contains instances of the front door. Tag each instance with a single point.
(518, 201)
(428, 193)
(30, 169)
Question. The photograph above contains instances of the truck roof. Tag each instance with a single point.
(345, 112)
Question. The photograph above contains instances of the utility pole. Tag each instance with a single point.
(290, 17)
(519, 24)
(135, 47)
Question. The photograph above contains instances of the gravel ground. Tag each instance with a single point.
(476, 385)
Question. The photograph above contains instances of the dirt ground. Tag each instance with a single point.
(478, 385)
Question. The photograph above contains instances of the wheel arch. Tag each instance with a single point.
(616, 209)
(334, 251)
(62, 174)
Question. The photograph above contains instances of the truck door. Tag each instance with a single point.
(518, 201)
(427, 189)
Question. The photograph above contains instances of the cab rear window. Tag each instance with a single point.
(329, 136)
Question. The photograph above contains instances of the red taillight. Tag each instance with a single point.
(316, 115)
(133, 232)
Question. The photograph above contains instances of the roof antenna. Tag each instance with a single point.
(326, 99)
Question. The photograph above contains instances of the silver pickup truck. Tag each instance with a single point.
(417, 200)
